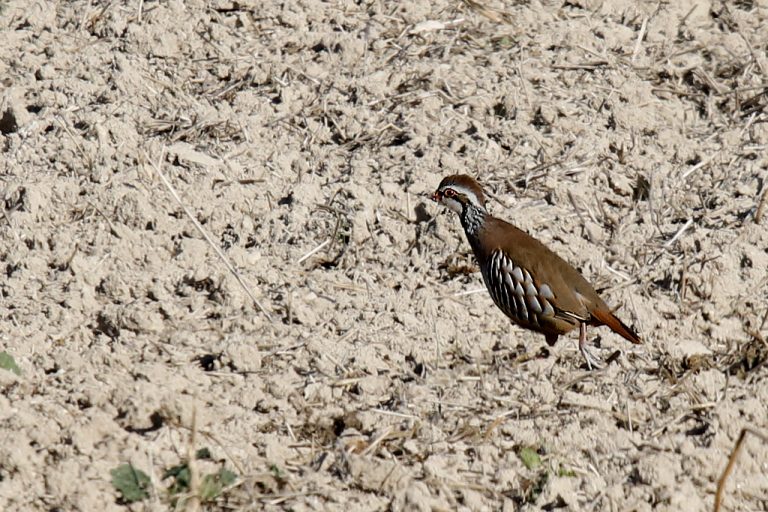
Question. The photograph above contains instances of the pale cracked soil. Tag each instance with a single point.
(305, 137)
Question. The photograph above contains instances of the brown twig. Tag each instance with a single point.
(732, 461)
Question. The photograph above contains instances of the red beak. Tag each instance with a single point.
(436, 196)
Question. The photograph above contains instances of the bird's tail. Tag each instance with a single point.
(605, 317)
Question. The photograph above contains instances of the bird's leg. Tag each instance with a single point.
(592, 361)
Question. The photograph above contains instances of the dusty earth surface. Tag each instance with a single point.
(305, 137)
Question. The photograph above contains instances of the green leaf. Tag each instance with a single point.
(227, 477)
(181, 479)
(212, 485)
(177, 471)
(530, 458)
(7, 362)
(276, 470)
(131, 483)
(203, 454)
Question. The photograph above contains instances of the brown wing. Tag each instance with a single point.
(515, 291)
(574, 298)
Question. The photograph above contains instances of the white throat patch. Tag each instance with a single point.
(452, 204)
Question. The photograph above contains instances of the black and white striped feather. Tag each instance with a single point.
(515, 292)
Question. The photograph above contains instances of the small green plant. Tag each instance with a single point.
(7, 362)
(276, 471)
(131, 483)
(211, 484)
(532, 488)
(530, 458)
(180, 479)
(503, 43)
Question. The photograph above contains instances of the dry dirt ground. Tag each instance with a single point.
(304, 137)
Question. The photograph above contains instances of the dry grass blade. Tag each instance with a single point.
(761, 205)
(495, 15)
(496, 422)
(193, 502)
(669, 243)
(207, 237)
(313, 252)
(732, 461)
(640, 37)
(469, 292)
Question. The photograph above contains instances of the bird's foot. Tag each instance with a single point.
(593, 363)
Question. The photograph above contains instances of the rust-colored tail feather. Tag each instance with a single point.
(604, 317)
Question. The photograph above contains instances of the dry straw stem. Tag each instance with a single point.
(193, 502)
(640, 37)
(761, 205)
(313, 252)
(227, 263)
(732, 461)
(495, 15)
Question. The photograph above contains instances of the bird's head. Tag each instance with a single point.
(459, 192)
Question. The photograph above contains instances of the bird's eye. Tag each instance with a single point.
(449, 192)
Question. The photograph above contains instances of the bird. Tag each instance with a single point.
(533, 286)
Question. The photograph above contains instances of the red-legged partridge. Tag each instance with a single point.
(532, 285)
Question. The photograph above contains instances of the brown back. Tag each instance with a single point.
(573, 294)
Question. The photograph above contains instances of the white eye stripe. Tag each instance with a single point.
(465, 192)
